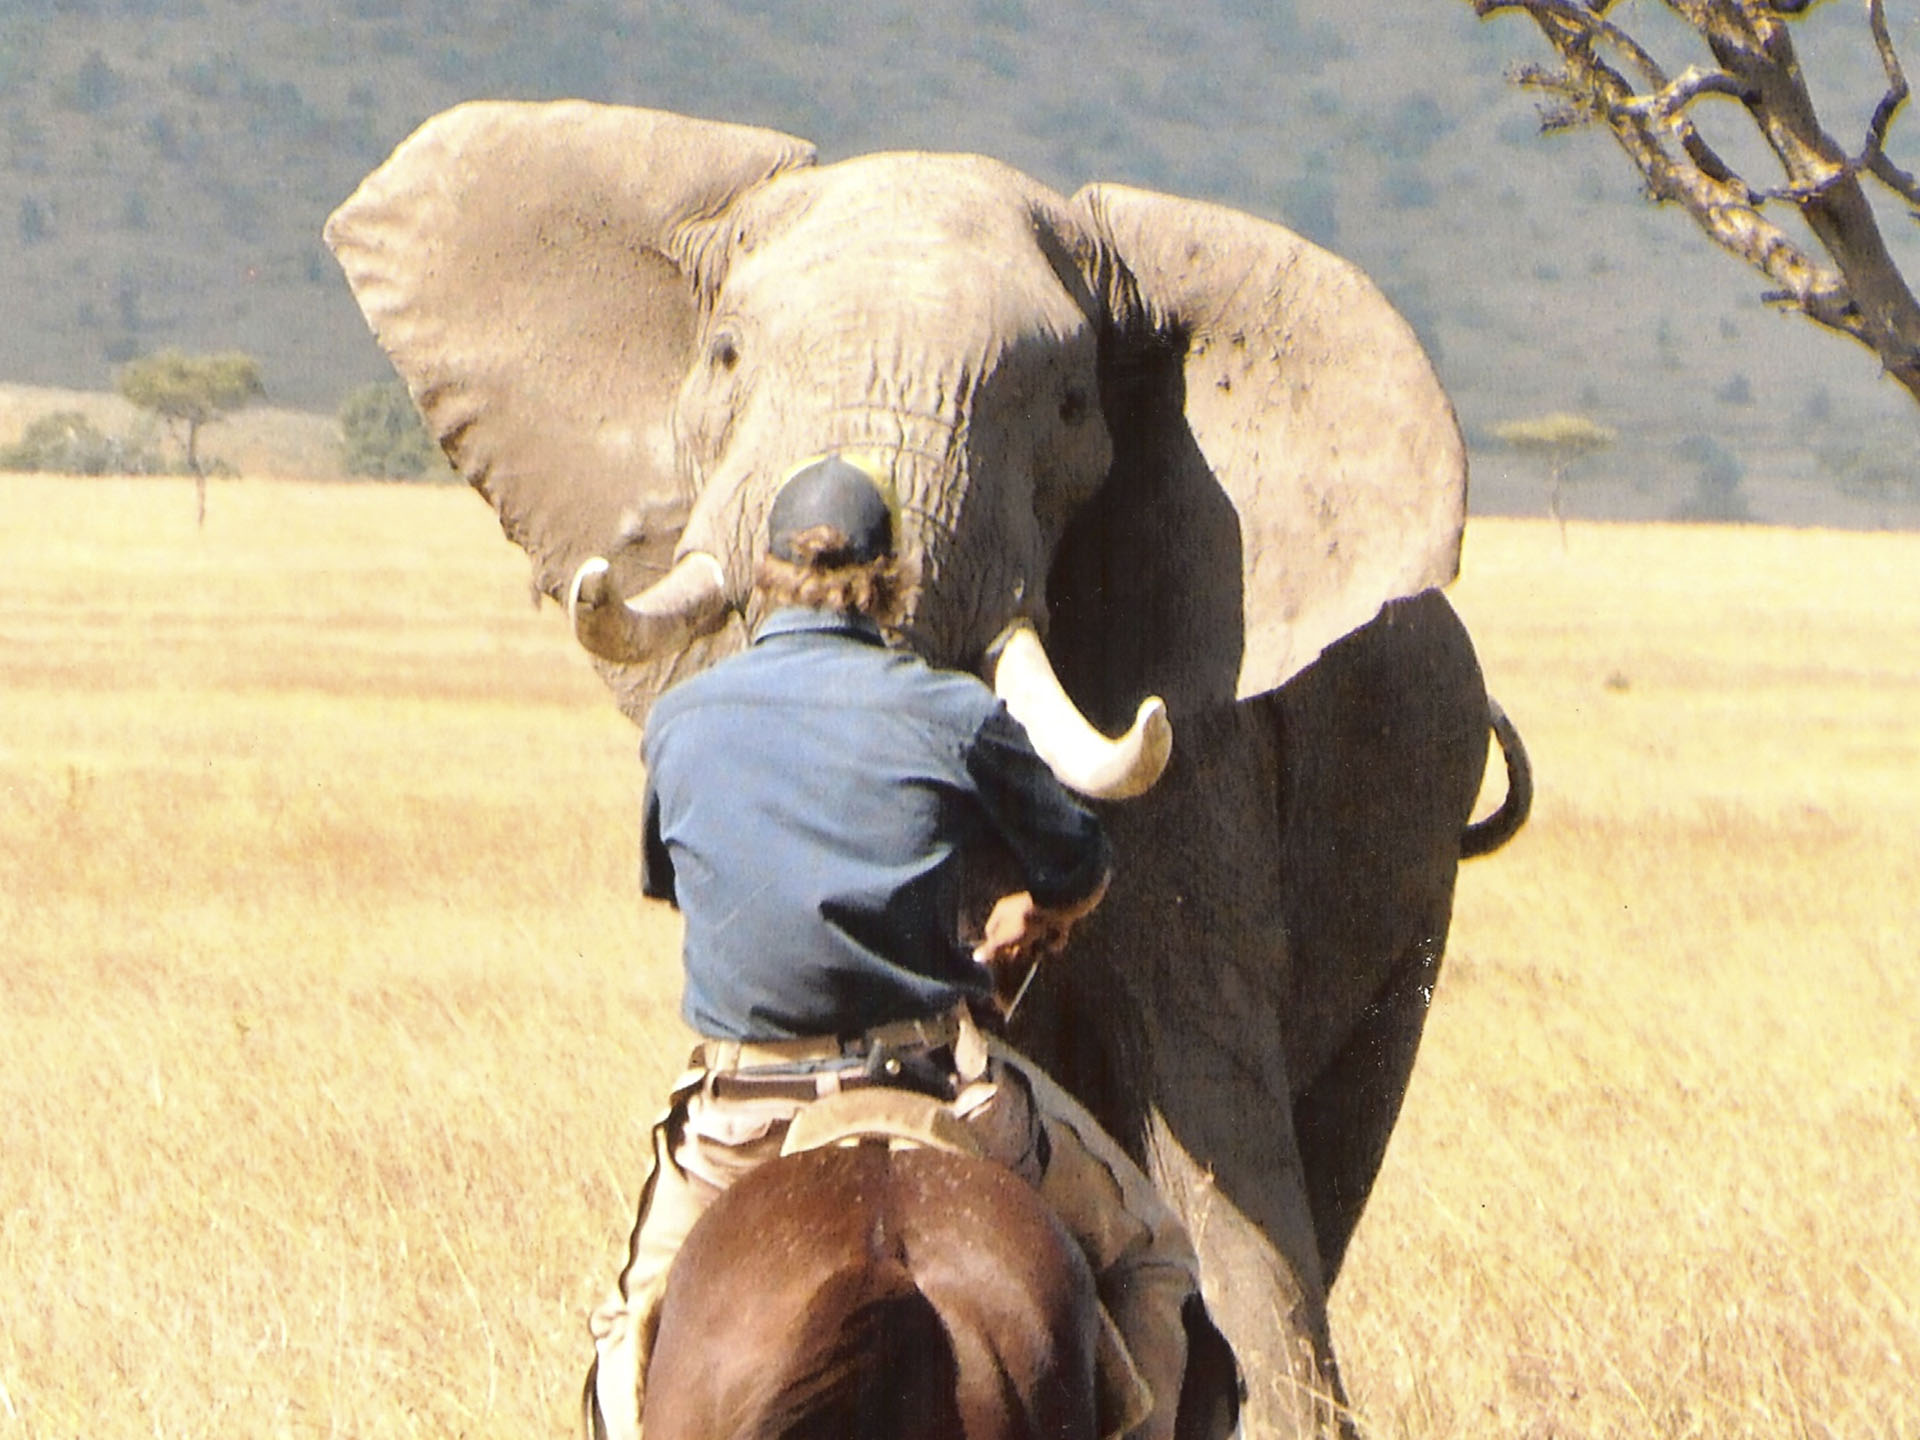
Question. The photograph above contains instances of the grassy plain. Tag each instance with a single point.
(331, 1023)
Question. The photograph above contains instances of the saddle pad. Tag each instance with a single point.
(902, 1118)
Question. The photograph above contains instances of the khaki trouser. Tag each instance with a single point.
(1143, 1261)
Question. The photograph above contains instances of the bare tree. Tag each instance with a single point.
(1606, 77)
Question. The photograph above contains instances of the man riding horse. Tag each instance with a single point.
(813, 808)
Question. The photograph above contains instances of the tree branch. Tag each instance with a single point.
(1687, 87)
(1873, 154)
(1861, 293)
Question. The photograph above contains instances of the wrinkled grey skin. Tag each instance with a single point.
(1194, 451)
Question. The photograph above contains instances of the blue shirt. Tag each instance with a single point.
(811, 806)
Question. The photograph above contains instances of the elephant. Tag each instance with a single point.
(1184, 485)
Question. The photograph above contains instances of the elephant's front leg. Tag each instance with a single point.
(1259, 1265)
(1197, 929)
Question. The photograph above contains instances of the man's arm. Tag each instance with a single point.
(1059, 843)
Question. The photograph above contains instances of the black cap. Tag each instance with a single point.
(832, 491)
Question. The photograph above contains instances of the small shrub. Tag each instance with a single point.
(66, 442)
(1407, 187)
(203, 77)
(94, 88)
(1413, 126)
(36, 222)
(1716, 497)
(1309, 203)
(162, 133)
(382, 437)
(126, 300)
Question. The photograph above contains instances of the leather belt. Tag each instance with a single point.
(926, 1072)
(731, 1055)
(915, 1055)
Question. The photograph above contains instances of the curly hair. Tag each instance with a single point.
(875, 588)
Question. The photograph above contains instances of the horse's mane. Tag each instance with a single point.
(872, 1360)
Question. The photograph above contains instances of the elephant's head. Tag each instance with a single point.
(1185, 445)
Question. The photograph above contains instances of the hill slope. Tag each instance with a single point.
(165, 170)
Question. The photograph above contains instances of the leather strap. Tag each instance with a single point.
(721, 1056)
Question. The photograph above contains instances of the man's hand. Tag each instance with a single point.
(1019, 930)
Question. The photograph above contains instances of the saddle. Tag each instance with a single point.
(900, 1119)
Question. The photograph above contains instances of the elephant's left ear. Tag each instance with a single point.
(527, 268)
(1304, 402)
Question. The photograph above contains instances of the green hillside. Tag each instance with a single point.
(165, 167)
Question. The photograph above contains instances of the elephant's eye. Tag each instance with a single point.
(724, 352)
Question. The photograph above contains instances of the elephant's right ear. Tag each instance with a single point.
(524, 267)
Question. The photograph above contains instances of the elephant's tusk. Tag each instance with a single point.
(1084, 759)
(686, 603)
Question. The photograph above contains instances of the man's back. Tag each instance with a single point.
(810, 806)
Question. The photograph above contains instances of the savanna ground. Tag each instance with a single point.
(331, 1022)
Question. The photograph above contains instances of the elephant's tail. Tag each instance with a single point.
(1483, 837)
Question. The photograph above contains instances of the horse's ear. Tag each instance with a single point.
(1285, 460)
(528, 269)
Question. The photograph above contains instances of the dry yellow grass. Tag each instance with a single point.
(1659, 1174)
(332, 1024)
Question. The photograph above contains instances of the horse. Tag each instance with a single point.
(855, 1292)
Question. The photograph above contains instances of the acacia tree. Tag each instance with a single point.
(191, 391)
(1604, 76)
(1562, 441)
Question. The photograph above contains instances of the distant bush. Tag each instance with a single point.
(1309, 203)
(1716, 497)
(162, 132)
(36, 224)
(381, 435)
(65, 442)
(203, 77)
(1413, 125)
(1872, 470)
(1014, 15)
(93, 88)
(1407, 187)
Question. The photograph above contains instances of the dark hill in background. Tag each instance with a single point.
(165, 167)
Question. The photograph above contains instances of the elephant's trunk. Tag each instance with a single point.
(689, 601)
(1083, 758)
